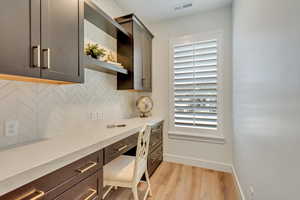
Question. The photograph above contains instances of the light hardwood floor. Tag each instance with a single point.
(180, 182)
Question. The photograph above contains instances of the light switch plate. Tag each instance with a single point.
(11, 128)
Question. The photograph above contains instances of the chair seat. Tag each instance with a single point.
(120, 170)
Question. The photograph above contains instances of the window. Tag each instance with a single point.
(195, 84)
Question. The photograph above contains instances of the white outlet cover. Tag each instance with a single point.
(99, 116)
(11, 128)
(93, 116)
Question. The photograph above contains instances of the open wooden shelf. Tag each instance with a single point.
(99, 18)
(102, 66)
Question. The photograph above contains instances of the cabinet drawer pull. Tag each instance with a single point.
(153, 161)
(122, 148)
(37, 196)
(156, 130)
(93, 192)
(91, 165)
(154, 144)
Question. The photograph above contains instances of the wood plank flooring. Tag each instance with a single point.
(180, 182)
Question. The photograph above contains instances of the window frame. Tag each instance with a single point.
(181, 132)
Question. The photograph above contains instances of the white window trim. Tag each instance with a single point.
(203, 135)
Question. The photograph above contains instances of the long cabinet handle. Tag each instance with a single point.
(143, 80)
(38, 195)
(156, 130)
(38, 49)
(122, 148)
(93, 192)
(152, 161)
(90, 166)
(48, 50)
(154, 143)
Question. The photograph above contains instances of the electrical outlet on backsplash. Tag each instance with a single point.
(43, 110)
(95, 116)
(100, 116)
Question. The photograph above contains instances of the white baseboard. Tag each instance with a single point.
(237, 182)
(218, 166)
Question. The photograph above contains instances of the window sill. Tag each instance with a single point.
(196, 137)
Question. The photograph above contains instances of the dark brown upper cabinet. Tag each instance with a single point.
(135, 55)
(19, 37)
(42, 39)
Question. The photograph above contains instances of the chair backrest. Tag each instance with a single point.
(142, 152)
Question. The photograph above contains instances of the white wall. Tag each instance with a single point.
(216, 20)
(266, 97)
(43, 109)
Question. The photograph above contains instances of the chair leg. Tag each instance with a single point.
(148, 182)
(135, 193)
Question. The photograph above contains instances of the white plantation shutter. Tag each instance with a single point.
(195, 85)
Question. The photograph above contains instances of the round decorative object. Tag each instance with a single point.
(144, 104)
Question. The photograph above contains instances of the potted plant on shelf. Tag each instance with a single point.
(110, 57)
(94, 51)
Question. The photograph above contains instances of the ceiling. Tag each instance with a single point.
(156, 10)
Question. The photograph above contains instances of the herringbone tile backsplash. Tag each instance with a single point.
(43, 109)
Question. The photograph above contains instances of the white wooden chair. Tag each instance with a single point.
(127, 171)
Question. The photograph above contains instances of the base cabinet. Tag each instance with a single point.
(154, 160)
(155, 156)
(81, 179)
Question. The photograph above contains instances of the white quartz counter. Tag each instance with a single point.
(21, 165)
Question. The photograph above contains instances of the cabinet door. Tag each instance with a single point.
(62, 45)
(138, 56)
(147, 61)
(20, 37)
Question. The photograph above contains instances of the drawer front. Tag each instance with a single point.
(158, 125)
(60, 180)
(115, 150)
(156, 137)
(85, 190)
(154, 159)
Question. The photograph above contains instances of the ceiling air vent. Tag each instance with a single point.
(183, 6)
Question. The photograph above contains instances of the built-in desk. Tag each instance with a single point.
(127, 146)
(83, 178)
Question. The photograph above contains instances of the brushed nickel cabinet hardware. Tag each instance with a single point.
(143, 80)
(36, 50)
(154, 144)
(122, 148)
(116, 125)
(93, 192)
(38, 195)
(48, 51)
(152, 161)
(156, 130)
(90, 166)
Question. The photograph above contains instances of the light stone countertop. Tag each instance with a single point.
(21, 165)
